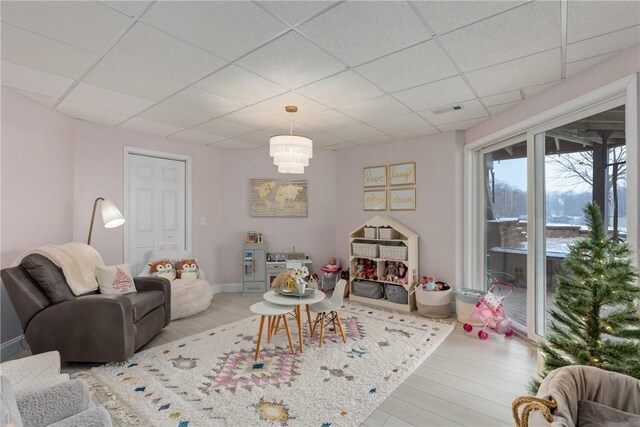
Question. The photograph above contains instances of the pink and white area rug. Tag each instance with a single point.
(211, 379)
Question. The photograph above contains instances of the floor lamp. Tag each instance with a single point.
(111, 215)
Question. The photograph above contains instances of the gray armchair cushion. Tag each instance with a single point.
(592, 414)
(9, 413)
(144, 302)
(52, 404)
(49, 277)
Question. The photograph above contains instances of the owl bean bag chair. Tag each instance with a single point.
(190, 292)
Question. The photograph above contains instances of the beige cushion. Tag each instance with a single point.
(115, 280)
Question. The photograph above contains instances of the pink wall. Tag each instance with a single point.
(438, 215)
(36, 183)
(98, 166)
(313, 235)
(612, 69)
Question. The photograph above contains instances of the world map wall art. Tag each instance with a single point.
(279, 198)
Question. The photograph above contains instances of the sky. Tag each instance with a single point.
(514, 172)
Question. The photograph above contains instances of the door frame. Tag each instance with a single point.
(626, 89)
(188, 189)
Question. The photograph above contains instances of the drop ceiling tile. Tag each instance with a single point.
(291, 61)
(435, 94)
(233, 82)
(296, 12)
(222, 128)
(201, 102)
(92, 114)
(502, 37)
(327, 120)
(496, 109)
(252, 118)
(402, 125)
(534, 90)
(130, 8)
(34, 81)
(150, 126)
(124, 78)
(414, 133)
(357, 32)
(593, 18)
(298, 129)
(524, 72)
(502, 98)
(414, 66)
(233, 143)
(44, 54)
(379, 139)
(173, 116)
(275, 106)
(197, 137)
(41, 99)
(574, 68)
(373, 109)
(260, 137)
(105, 99)
(324, 140)
(603, 44)
(227, 28)
(156, 52)
(444, 16)
(354, 132)
(88, 25)
(341, 146)
(470, 110)
(341, 89)
(463, 125)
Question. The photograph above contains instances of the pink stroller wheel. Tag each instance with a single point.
(483, 335)
(467, 327)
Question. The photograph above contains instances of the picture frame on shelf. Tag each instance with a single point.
(374, 176)
(402, 174)
(402, 199)
(375, 200)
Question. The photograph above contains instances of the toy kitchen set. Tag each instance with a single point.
(278, 261)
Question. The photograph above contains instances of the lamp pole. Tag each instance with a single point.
(93, 216)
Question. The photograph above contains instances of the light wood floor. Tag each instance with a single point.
(465, 381)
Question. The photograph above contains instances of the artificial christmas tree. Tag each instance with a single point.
(595, 320)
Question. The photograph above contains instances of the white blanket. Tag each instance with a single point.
(78, 262)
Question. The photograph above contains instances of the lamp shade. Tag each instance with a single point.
(291, 153)
(111, 215)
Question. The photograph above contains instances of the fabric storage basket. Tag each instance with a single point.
(396, 293)
(466, 300)
(367, 250)
(434, 304)
(394, 253)
(367, 289)
(370, 233)
(387, 233)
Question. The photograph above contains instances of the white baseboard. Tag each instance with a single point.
(227, 287)
(13, 346)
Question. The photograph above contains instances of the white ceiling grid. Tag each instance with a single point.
(219, 73)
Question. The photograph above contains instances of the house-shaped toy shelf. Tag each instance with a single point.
(375, 245)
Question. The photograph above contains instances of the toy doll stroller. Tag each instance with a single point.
(490, 310)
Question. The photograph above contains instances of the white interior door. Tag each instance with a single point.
(157, 202)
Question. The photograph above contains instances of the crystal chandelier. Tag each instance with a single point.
(291, 153)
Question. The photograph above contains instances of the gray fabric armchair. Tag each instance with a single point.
(86, 328)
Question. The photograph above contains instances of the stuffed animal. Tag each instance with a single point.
(187, 269)
(162, 268)
(284, 280)
(392, 272)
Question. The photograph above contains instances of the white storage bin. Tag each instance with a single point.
(388, 233)
(366, 250)
(393, 253)
(370, 233)
(434, 304)
(466, 300)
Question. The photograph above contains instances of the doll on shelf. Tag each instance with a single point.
(359, 268)
(391, 273)
(402, 274)
(370, 270)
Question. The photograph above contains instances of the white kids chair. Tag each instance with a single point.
(328, 312)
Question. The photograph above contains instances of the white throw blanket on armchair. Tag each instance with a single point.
(78, 262)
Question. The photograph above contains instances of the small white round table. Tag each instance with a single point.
(276, 298)
(270, 310)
